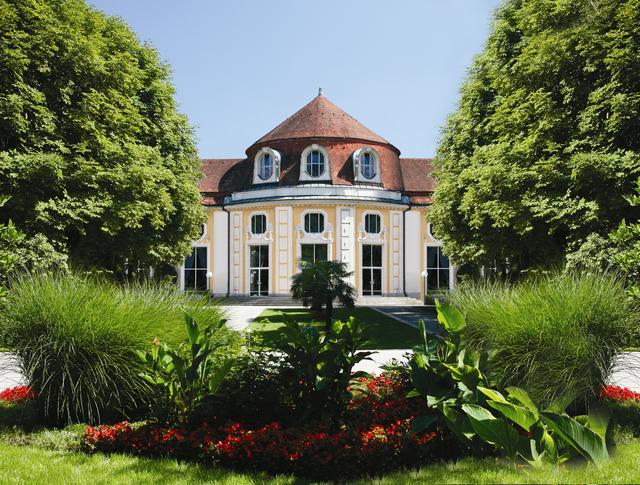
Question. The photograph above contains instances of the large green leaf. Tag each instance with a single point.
(518, 414)
(582, 439)
(492, 394)
(458, 423)
(495, 431)
(192, 329)
(522, 397)
(450, 317)
(422, 423)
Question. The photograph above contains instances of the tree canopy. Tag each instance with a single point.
(96, 158)
(545, 142)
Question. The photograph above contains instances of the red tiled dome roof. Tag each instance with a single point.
(321, 119)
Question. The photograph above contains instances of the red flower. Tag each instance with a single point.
(17, 394)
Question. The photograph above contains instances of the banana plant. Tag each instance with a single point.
(453, 381)
(323, 364)
(187, 375)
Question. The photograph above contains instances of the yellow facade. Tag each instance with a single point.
(231, 262)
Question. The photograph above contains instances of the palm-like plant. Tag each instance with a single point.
(319, 283)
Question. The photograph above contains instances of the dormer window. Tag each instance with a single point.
(315, 164)
(366, 165)
(266, 166)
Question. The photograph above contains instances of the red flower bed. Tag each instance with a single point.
(17, 394)
(617, 393)
(375, 439)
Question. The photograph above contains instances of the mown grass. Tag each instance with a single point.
(381, 331)
(31, 464)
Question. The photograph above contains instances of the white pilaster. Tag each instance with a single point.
(284, 243)
(413, 245)
(221, 255)
(236, 253)
(346, 238)
(395, 240)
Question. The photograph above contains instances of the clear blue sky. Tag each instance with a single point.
(241, 67)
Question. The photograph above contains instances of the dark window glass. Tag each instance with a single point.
(368, 165)
(266, 167)
(195, 270)
(372, 223)
(313, 252)
(258, 224)
(438, 269)
(314, 223)
(376, 255)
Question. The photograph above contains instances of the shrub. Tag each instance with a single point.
(553, 334)
(257, 391)
(322, 365)
(76, 336)
(185, 376)
(452, 380)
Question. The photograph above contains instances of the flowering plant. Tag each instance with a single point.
(17, 394)
(618, 393)
(376, 438)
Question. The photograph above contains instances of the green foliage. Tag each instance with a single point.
(10, 238)
(319, 283)
(452, 380)
(553, 334)
(188, 374)
(322, 364)
(93, 152)
(545, 141)
(20, 415)
(256, 392)
(76, 336)
(626, 238)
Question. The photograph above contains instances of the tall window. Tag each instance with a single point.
(258, 224)
(372, 223)
(195, 270)
(259, 270)
(315, 163)
(313, 252)
(368, 165)
(313, 223)
(438, 269)
(266, 166)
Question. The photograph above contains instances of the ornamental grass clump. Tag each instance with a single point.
(76, 338)
(554, 335)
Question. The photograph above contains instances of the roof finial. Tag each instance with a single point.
(319, 91)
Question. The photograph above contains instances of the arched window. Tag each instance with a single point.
(315, 163)
(368, 165)
(372, 223)
(265, 171)
(258, 224)
(313, 223)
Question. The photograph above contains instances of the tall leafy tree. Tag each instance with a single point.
(545, 141)
(93, 152)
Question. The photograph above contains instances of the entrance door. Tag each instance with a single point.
(259, 270)
(438, 272)
(371, 269)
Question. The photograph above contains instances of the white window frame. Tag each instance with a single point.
(275, 174)
(269, 268)
(357, 160)
(304, 175)
(372, 237)
(324, 237)
(201, 243)
(383, 288)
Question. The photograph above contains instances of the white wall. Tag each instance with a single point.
(413, 247)
(220, 261)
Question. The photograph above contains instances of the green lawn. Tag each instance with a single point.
(381, 331)
(30, 464)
